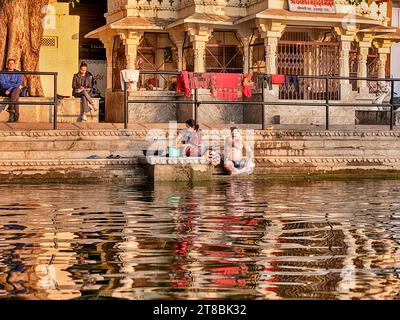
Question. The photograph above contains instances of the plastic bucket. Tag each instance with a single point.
(173, 152)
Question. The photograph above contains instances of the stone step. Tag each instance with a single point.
(97, 169)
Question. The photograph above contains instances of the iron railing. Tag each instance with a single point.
(53, 102)
(327, 102)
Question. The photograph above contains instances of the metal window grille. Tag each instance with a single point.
(50, 42)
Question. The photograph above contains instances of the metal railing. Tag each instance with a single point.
(53, 102)
(327, 103)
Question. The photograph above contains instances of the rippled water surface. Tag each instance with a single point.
(231, 240)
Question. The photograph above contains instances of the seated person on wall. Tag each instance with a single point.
(10, 86)
(234, 161)
(82, 87)
(189, 140)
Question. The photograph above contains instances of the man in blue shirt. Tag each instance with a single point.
(10, 86)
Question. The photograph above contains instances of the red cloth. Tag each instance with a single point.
(246, 91)
(247, 83)
(183, 83)
(227, 86)
(200, 80)
(278, 79)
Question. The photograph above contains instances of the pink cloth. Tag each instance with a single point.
(183, 83)
(227, 86)
(200, 80)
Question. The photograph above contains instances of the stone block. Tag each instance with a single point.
(290, 114)
(179, 172)
(68, 111)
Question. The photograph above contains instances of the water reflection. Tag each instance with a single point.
(235, 240)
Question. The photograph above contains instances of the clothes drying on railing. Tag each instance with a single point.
(226, 85)
(292, 79)
(278, 79)
(247, 84)
(183, 84)
(222, 85)
(200, 80)
(285, 80)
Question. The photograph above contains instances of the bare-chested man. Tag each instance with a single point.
(235, 163)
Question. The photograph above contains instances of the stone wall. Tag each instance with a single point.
(290, 114)
(142, 112)
(252, 113)
(211, 113)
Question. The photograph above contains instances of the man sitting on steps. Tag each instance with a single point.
(10, 86)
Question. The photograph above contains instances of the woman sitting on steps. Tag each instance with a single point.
(82, 86)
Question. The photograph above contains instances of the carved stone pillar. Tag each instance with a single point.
(346, 37)
(108, 42)
(271, 45)
(178, 37)
(245, 35)
(362, 71)
(382, 65)
(199, 49)
(383, 47)
(364, 43)
(271, 32)
(199, 36)
(131, 40)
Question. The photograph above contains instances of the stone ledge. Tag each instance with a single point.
(325, 160)
(68, 162)
(178, 160)
(259, 134)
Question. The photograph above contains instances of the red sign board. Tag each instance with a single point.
(312, 6)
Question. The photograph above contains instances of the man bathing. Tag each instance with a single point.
(234, 161)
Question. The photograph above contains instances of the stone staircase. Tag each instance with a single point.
(84, 154)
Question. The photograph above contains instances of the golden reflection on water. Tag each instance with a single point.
(239, 240)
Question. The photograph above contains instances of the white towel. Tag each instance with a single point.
(131, 77)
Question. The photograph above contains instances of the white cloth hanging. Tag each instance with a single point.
(131, 78)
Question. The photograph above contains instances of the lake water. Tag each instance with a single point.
(230, 240)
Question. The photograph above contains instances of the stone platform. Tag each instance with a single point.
(30, 150)
(68, 111)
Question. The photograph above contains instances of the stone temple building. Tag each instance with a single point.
(295, 37)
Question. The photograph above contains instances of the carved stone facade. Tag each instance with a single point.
(190, 24)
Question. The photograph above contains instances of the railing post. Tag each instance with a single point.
(263, 100)
(391, 104)
(125, 107)
(55, 110)
(196, 105)
(327, 103)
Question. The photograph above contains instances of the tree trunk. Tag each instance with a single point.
(21, 33)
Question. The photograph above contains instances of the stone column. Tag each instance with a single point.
(178, 37)
(382, 65)
(131, 40)
(362, 71)
(246, 55)
(346, 37)
(245, 36)
(108, 42)
(364, 43)
(199, 49)
(383, 47)
(271, 45)
(199, 36)
(271, 31)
